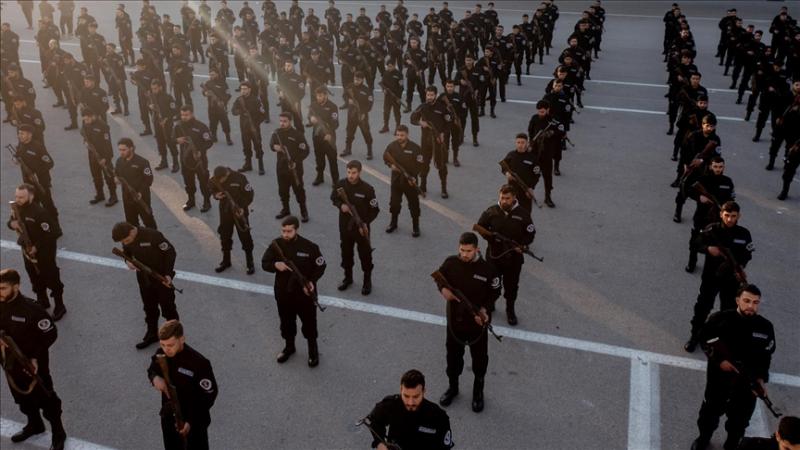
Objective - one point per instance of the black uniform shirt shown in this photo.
(426, 428)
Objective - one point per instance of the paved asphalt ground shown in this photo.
(596, 361)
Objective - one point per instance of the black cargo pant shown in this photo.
(154, 296)
(729, 394)
(292, 305)
(457, 337)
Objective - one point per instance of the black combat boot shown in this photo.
(98, 197)
(477, 394)
(444, 188)
(42, 299)
(456, 162)
(392, 224)
(691, 345)
(423, 185)
(206, 205)
(59, 435)
(176, 164)
(189, 203)
(511, 314)
(112, 199)
(452, 391)
(784, 191)
(228, 139)
(671, 129)
(690, 266)
(303, 213)
(284, 210)
(348, 279)
(415, 226)
(150, 337)
(548, 201)
(261, 170)
(226, 262)
(125, 111)
(747, 115)
(288, 350)
(678, 211)
(385, 129)
(475, 140)
(557, 168)
(369, 151)
(247, 167)
(251, 268)
(366, 287)
(757, 137)
(319, 179)
(313, 353)
(35, 426)
(348, 150)
(60, 309)
(163, 163)
(771, 163)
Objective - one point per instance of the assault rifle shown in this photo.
(291, 164)
(172, 397)
(27, 172)
(16, 356)
(296, 274)
(361, 226)
(146, 270)
(388, 444)
(442, 281)
(525, 188)
(495, 236)
(24, 237)
(412, 181)
(238, 212)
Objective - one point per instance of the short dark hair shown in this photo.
(789, 429)
(285, 115)
(402, 128)
(127, 142)
(290, 221)
(187, 108)
(730, 206)
(751, 288)
(121, 230)
(170, 329)
(542, 104)
(508, 189)
(11, 277)
(354, 164)
(221, 171)
(468, 238)
(522, 136)
(717, 159)
(27, 187)
(412, 379)
(431, 88)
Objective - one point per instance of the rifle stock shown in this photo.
(363, 228)
(493, 235)
(27, 366)
(145, 269)
(412, 181)
(22, 232)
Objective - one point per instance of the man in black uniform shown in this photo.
(509, 219)
(790, 165)
(97, 138)
(164, 114)
(358, 97)
(469, 273)
(40, 257)
(524, 162)
(411, 162)
(361, 195)
(416, 61)
(457, 108)
(142, 79)
(471, 79)
(786, 437)
(717, 190)
(25, 115)
(194, 140)
(138, 177)
(434, 119)
(34, 154)
(291, 148)
(392, 85)
(192, 377)
(728, 248)
(15, 85)
(153, 250)
(216, 91)
(695, 155)
(324, 117)
(251, 113)
(94, 98)
(33, 330)
(291, 90)
(293, 299)
(408, 419)
(546, 134)
(234, 211)
(113, 67)
(739, 344)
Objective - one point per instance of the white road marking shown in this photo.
(433, 319)
(759, 426)
(9, 427)
(510, 100)
(644, 408)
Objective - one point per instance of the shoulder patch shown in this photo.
(206, 384)
(531, 228)
(147, 171)
(248, 188)
(373, 202)
(751, 247)
(207, 136)
(44, 324)
(419, 158)
(335, 115)
(45, 226)
(163, 246)
(496, 282)
(320, 261)
(46, 158)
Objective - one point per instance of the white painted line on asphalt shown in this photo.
(627, 110)
(537, 77)
(415, 316)
(9, 427)
(644, 408)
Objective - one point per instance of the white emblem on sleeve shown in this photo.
(320, 261)
(419, 158)
(147, 171)
(163, 246)
(248, 188)
(448, 438)
(373, 202)
(496, 282)
(206, 384)
(45, 226)
(531, 228)
(44, 324)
